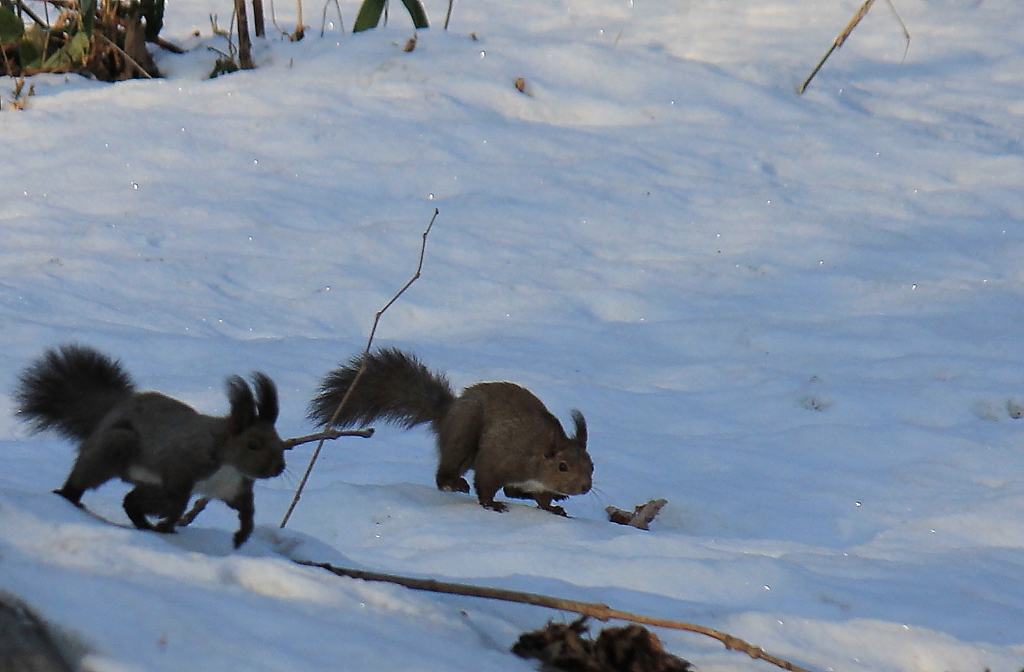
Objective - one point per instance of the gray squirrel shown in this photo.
(499, 430)
(163, 447)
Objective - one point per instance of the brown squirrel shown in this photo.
(499, 430)
(162, 446)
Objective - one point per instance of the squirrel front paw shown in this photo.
(495, 506)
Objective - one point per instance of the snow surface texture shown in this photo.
(797, 318)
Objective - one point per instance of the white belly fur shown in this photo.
(224, 484)
(529, 486)
(141, 475)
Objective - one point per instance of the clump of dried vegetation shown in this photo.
(569, 648)
(102, 39)
(106, 39)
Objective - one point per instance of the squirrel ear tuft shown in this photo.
(243, 405)
(267, 406)
(580, 436)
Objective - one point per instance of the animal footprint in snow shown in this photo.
(813, 401)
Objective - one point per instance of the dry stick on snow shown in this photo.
(838, 42)
(362, 369)
(601, 612)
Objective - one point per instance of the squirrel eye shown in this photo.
(253, 445)
(562, 466)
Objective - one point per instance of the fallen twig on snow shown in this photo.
(641, 515)
(362, 369)
(601, 612)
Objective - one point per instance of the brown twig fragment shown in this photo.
(601, 612)
(362, 369)
(641, 515)
(326, 435)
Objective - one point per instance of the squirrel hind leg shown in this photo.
(149, 500)
(88, 474)
(72, 493)
(458, 442)
(134, 505)
(101, 457)
(451, 467)
(449, 481)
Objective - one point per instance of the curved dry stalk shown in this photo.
(323, 19)
(841, 38)
(601, 612)
(362, 369)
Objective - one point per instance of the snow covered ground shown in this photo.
(796, 318)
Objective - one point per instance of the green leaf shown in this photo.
(417, 12)
(11, 27)
(371, 10)
(58, 62)
(88, 8)
(29, 57)
(78, 47)
(369, 15)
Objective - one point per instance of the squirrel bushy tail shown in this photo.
(396, 387)
(71, 389)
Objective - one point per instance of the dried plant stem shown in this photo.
(258, 23)
(300, 27)
(601, 612)
(167, 46)
(362, 369)
(134, 63)
(841, 38)
(244, 42)
(323, 19)
(22, 7)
